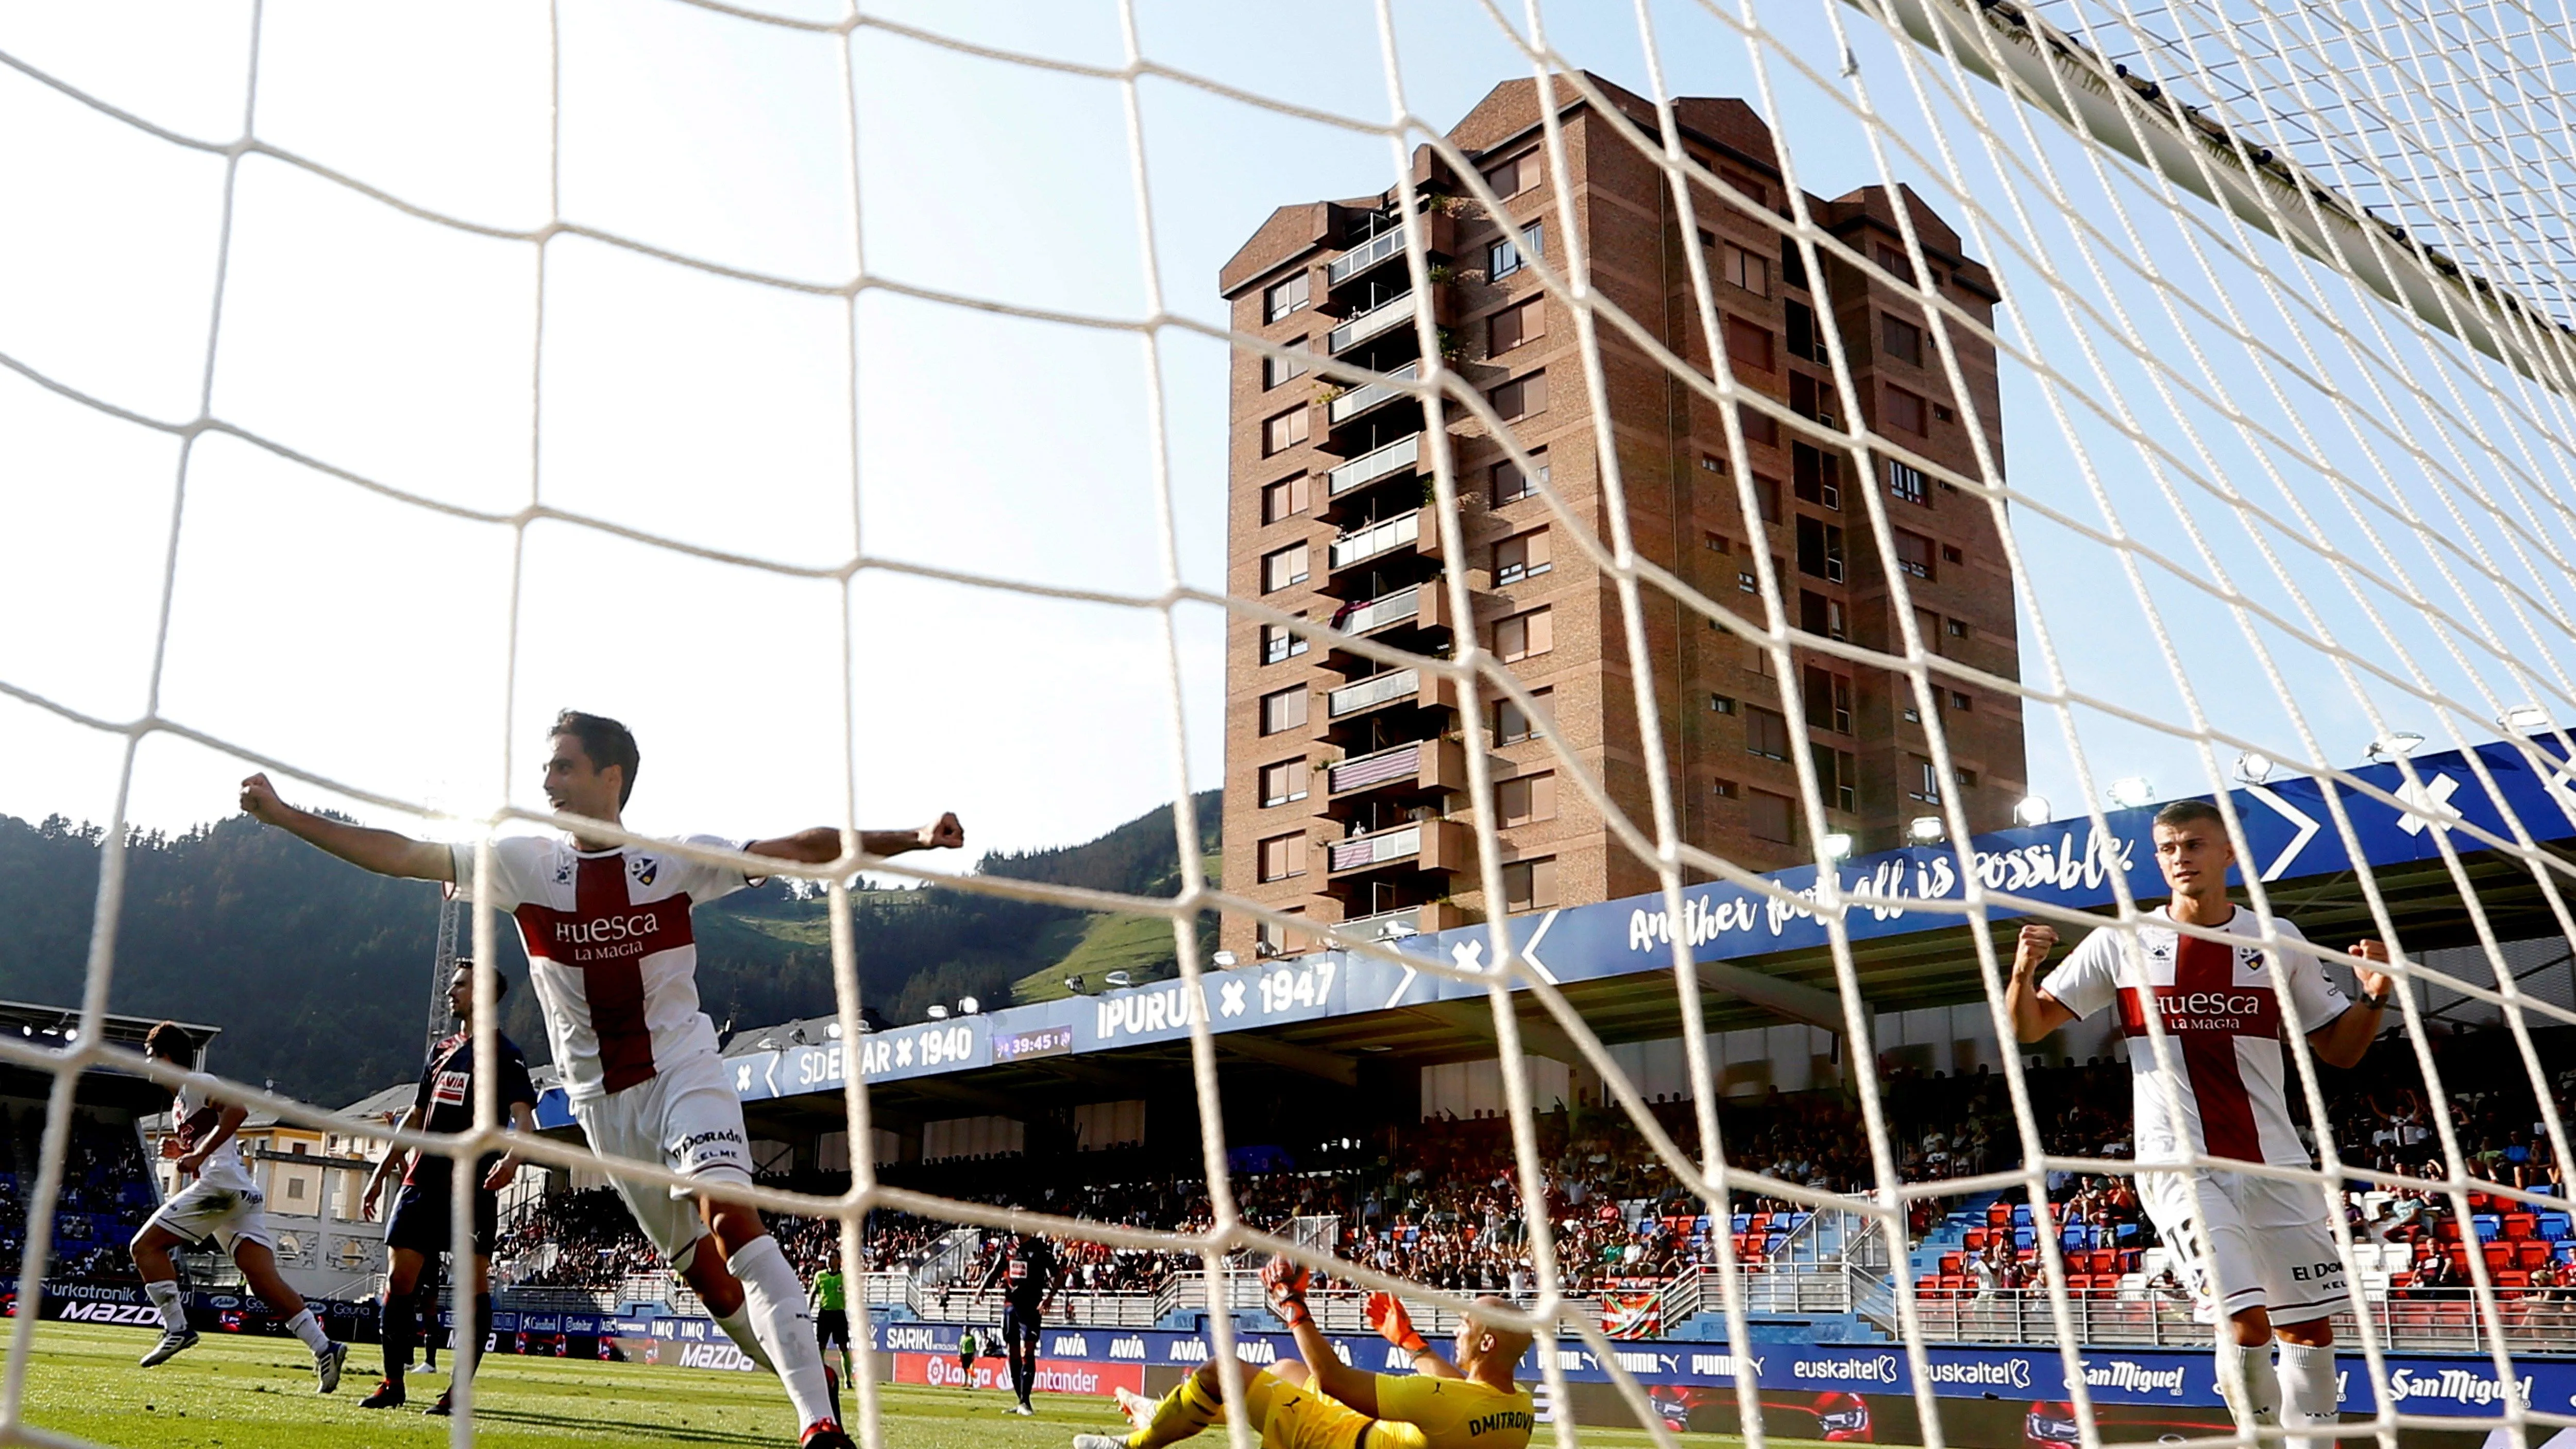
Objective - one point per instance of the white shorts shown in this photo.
(2272, 1246)
(229, 1213)
(686, 1118)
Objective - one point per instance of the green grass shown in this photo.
(257, 1393)
(1109, 942)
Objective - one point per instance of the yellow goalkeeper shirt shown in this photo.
(1456, 1413)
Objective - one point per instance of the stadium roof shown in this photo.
(1759, 961)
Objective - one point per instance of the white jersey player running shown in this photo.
(2267, 1239)
(221, 1202)
(613, 957)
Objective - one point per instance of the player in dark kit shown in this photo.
(422, 1225)
(1027, 1272)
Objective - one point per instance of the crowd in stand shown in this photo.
(106, 1193)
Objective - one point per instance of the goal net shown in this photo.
(1679, 533)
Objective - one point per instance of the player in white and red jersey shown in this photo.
(2267, 1239)
(220, 1201)
(613, 956)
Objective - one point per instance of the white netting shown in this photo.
(2329, 518)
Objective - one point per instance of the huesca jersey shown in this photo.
(1457, 1413)
(193, 1118)
(611, 950)
(2223, 1022)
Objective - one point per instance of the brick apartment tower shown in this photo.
(1345, 783)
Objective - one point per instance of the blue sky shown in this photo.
(369, 640)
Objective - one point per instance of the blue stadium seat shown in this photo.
(2489, 1226)
(2554, 1226)
(2021, 1215)
(2023, 1237)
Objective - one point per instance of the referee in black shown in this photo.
(419, 1229)
(1027, 1272)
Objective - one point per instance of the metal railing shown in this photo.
(1359, 400)
(1399, 763)
(2425, 1320)
(1376, 539)
(1363, 326)
(1378, 849)
(1404, 455)
(1404, 603)
(1375, 690)
(1364, 256)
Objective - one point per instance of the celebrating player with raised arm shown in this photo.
(1316, 1401)
(614, 962)
(2269, 1240)
(418, 1230)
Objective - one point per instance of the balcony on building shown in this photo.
(1400, 459)
(1381, 256)
(1396, 925)
(1414, 766)
(1376, 540)
(1423, 605)
(1368, 417)
(1438, 845)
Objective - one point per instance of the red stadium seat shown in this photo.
(2512, 1282)
(1954, 1285)
(2499, 1256)
(1999, 1214)
(2521, 1225)
(1952, 1265)
(1928, 1286)
(2527, 1256)
(1974, 1241)
(2447, 1230)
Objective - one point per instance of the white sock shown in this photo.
(2309, 1393)
(775, 1300)
(303, 1327)
(174, 1309)
(2262, 1387)
(738, 1328)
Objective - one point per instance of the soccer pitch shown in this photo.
(253, 1393)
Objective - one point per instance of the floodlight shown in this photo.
(938, 1013)
(1837, 846)
(2253, 768)
(2132, 791)
(2033, 810)
(1926, 829)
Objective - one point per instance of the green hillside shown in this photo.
(337, 960)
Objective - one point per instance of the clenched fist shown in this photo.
(2036, 942)
(259, 800)
(944, 833)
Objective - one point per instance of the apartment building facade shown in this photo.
(1346, 785)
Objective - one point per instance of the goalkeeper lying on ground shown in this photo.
(1323, 1403)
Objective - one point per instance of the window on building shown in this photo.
(1816, 476)
(1905, 481)
(1766, 496)
(1940, 413)
(1521, 397)
(1967, 779)
(1285, 940)
(1759, 427)
(1748, 344)
(1523, 635)
(1279, 643)
(1510, 484)
(1283, 710)
(1282, 298)
(1526, 799)
(1505, 257)
(1720, 543)
(1820, 549)
(1893, 259)
(1754, 191)
(1837, 776)
(1927, 627)
(1747, 581)
(1955, 628)
(1521, 558)
(1721, 704)
(1283, 782)
(1766, 732)
(1829, 700)
(1900, 339)
(1285, 431)
(1749, 270)
(1820, 615)
(1722, 789)
(1530, 885)
(1905, 411)
(1793, 267)
(1926, 782)
(1513, 326)
(1276, 369)
(1512, 724)
(1950, 554)
(1287, 498)
(1281, 568)
(1813, 398)
(1517, 175)
(1961, 702)
(1804, 340)
(1771, 817)
(1283, 857)
(1914, 554)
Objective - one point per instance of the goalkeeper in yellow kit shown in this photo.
(1330, 1405)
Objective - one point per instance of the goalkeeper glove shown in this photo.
(1284, 1280)
(1387, 1316)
